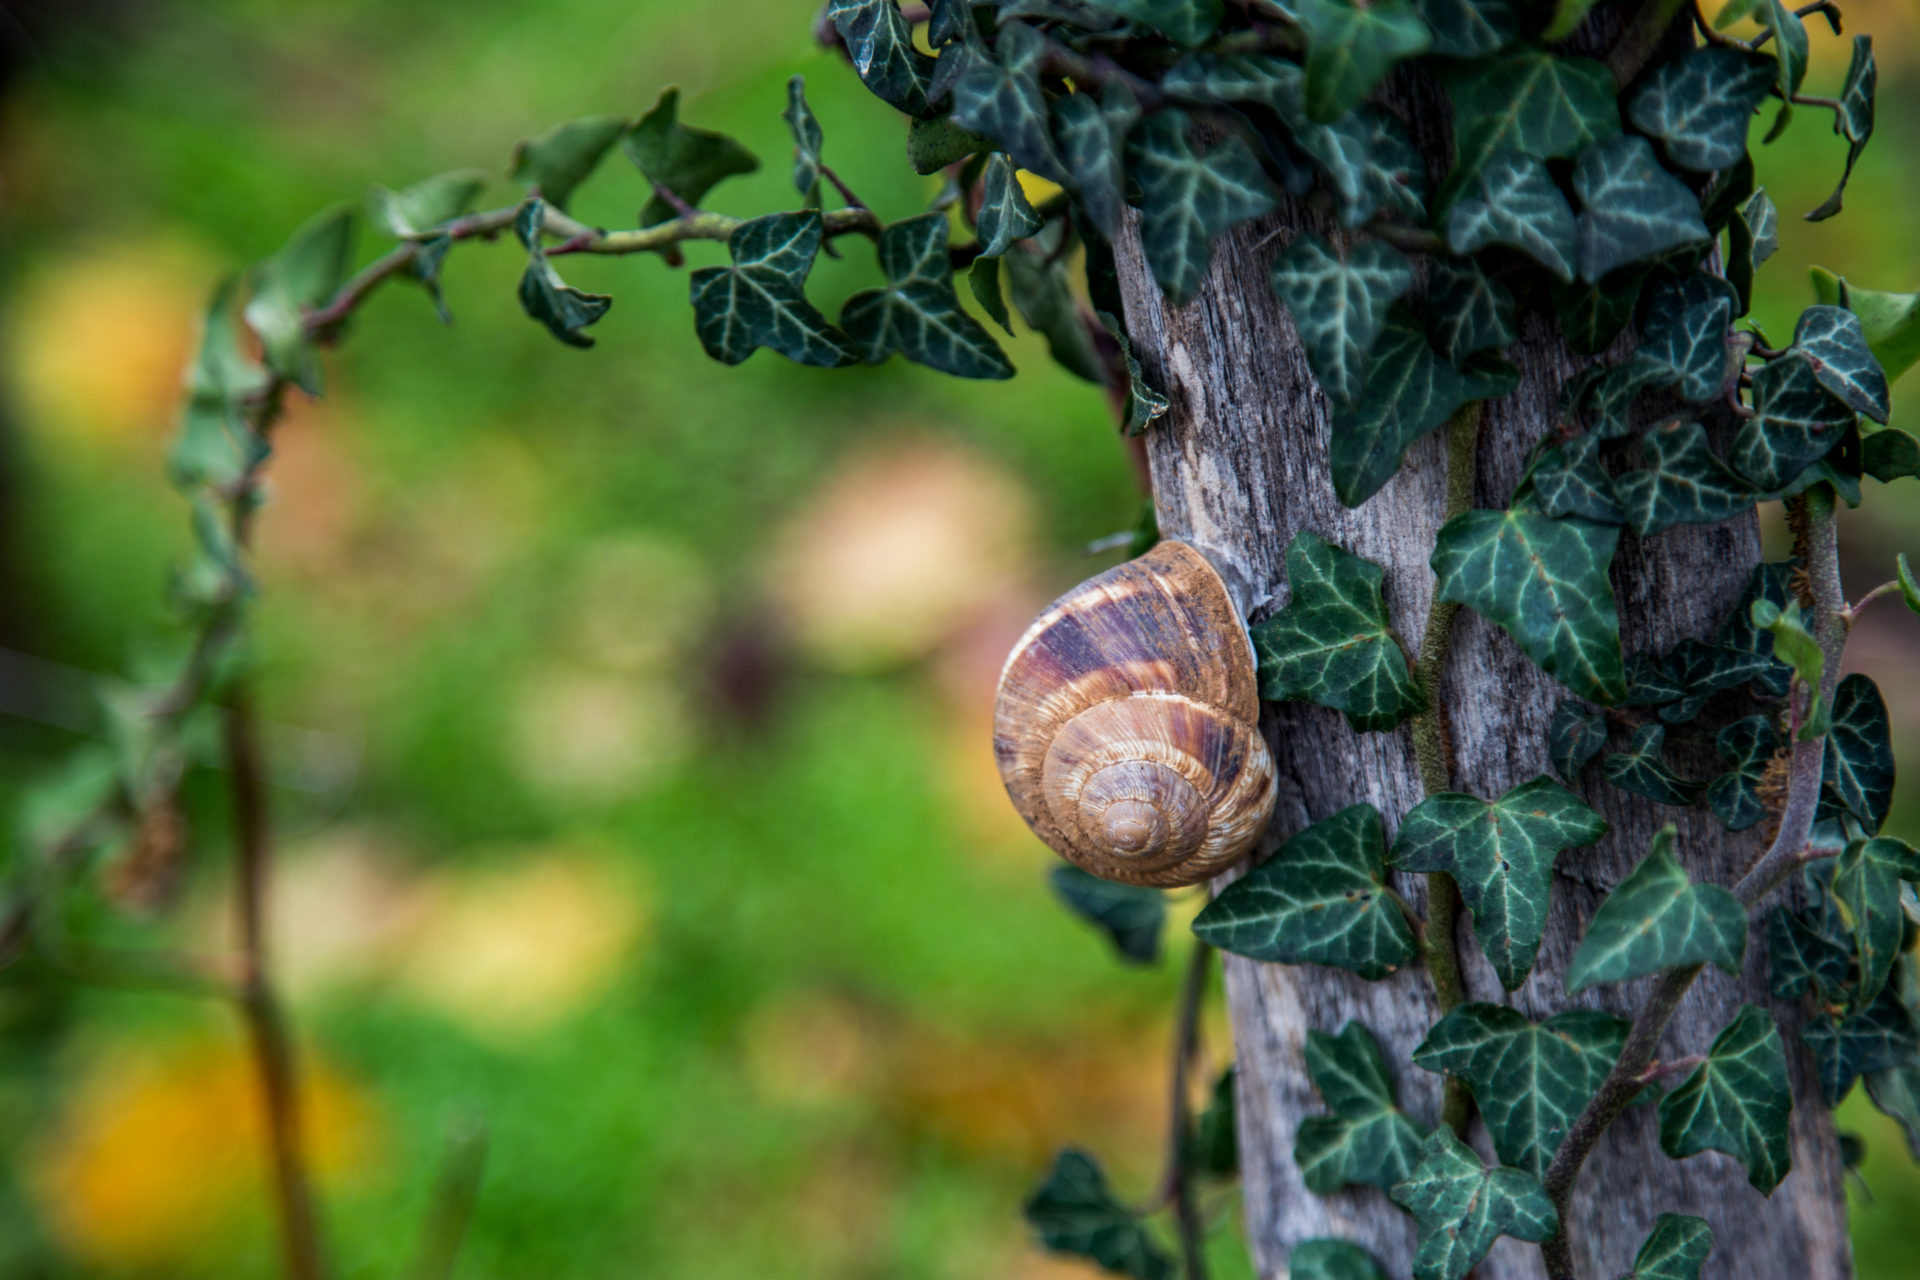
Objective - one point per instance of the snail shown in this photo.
(1126, 724)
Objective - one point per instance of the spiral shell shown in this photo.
(1126, 725)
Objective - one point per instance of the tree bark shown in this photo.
(1239, 466)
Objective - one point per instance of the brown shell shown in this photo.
(1126, 725)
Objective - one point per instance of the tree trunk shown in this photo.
(1239, 466)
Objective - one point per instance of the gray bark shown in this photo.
(1239, 466)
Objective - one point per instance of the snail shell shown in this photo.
(1126, 726)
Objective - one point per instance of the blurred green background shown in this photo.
(630, 713)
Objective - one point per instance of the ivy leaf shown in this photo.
(1332, 1260)
(1684, 328)
(559, 160)
(1881, 1037)
(983, 280)
(1890, 454)
(1568, 480)
(1544, 581)
(918, 314)
(1701, 670)
(1131, 916)
(1189, 196)
(1832, 343)
(1642, 769)
(1857, 778)
(1466, 310)
(1339, 301)
(1896, 1094)
(1739, 630)
(808, 139)
(1501, 854)
(880, 43)
(935, 143)
(565, 310)
(216, 447)
(1144, 404)
(1610, 401)
(1658, 919)
(1749, 746)
(1469, 28)
(1510, 200)
(1652, 682)
(1574, 738)
(1700, 104)
(1802, 958)
(1593, 315)
(426, 204)
(1794, 645)
(1676, 1249)
(1797, 421)
(1395, 177)
(1890, 321)
(1333, 644)
(1322, 899)
(1366, 1140)
(1092, 135)
(1185, 22)
(685, 161)
(1351, 47)
(1409, 391)
(1736, 1101)
(1752, 238)
(1531, 1080)
(760, 301)
(1005, 215)
(1866, 885)
(1039, 289)
(1214, 1140)
(1790, 54)
(1683, 482)
(1909, 589)
(1530, 101)
(1075, 1212)
(1854, 120)
(1631, 208)
(1002, 99)
(302, 275)
(1462, 1207)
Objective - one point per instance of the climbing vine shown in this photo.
(1617, 196)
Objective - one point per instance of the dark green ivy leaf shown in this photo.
(1351, 47)
(1365, 1140)
(1568, 480)
(1609, 401)
(1322, 899)
(1790, 53)
(983, 279)
(1749, 746)
(686, 161)
(1510, 200)
(1802, 958)
(1395, 177)
(1333, 644)
(1531, 101)
(1467, 310)
(1130, 916)
(1797, 421)
(1891, 321)
(1462, 1207)
(1866, 885)
(1215, 1142)
(1701, 670)
(1000, 98)
(1631, 208)
(565, 310)
(1675, 1250)
(1593, 315)
(1189, 196)
(1332, 1260)
(1857, 778)
(1881, 1037)
(935, 143)
(1092, 134)
(1339, 300)
(1469, 28)
(880, 43)
(301, 276)
(808, 139)
(1752, 238)
(1896, 1093)
(1575, 738)
(1682, 483)
(1185, 22)
(216, 447)
(1531, 1080)
(1736, 1101)
(1075, 1212)
(1005, 215)
(1040, 292)
(1144, 404)
(1544, 581)
(1854, 120)
(760, 301)
(1890, 454)
(1738, 630)
(917, 313)
(1684, 327)
(1409, 391)
(1642, 769)
(1658, 919)
(1501, 854)
(1701, 103)
(426, 204)
(1831, 341)
(559, 160)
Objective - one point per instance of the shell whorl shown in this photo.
(1126, 724)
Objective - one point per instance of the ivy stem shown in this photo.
(1821, 552)
(1176, 1184)
(1852, 612)
(1440, 941)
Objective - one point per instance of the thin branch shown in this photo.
(1852, 612)
(1186, 1205)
